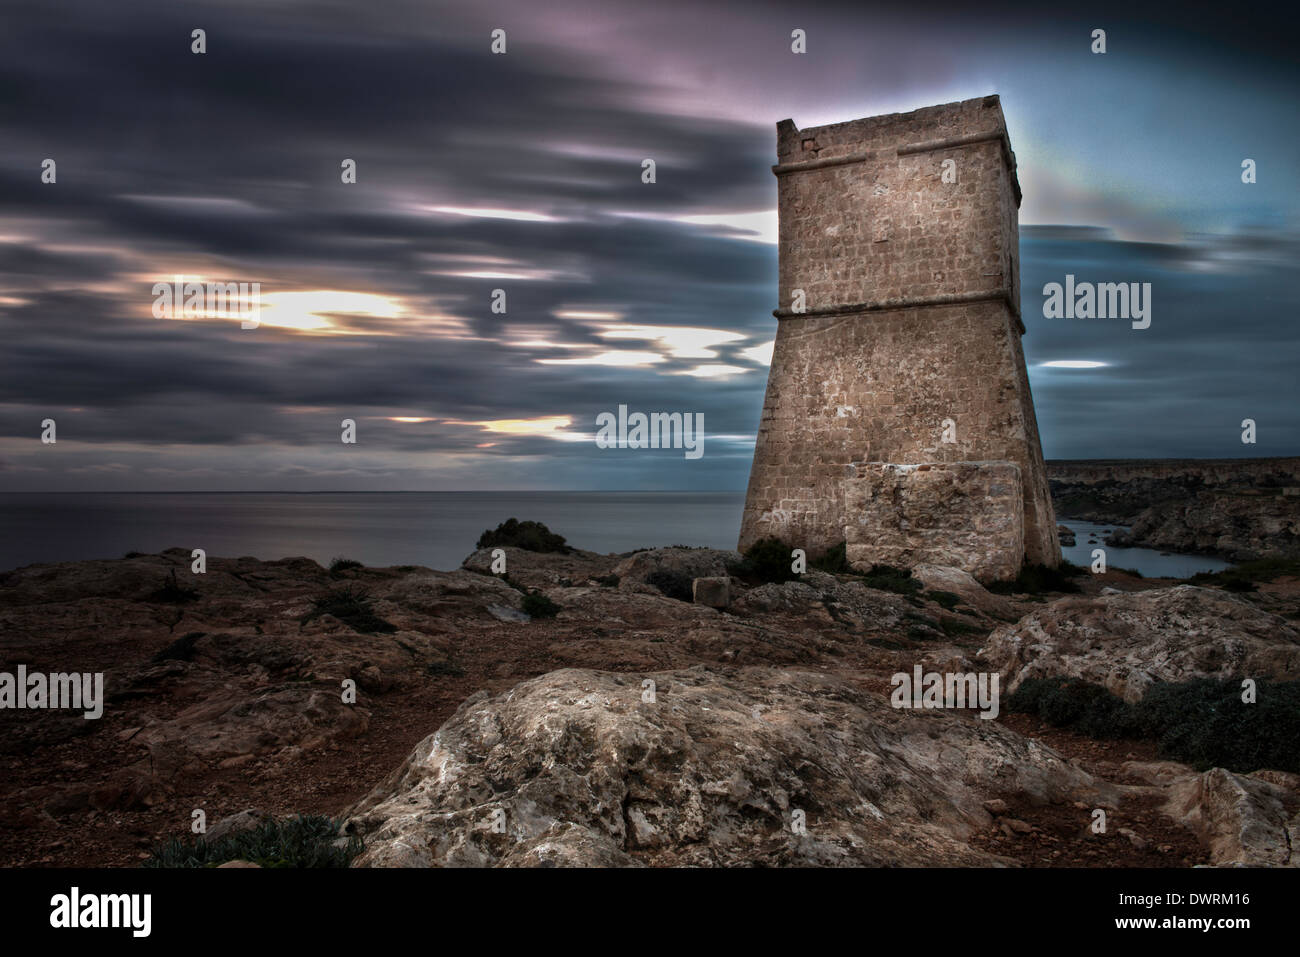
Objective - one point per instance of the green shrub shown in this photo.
(340, 564)
(537, 605)
(1205, 723)
(352, 607)
(1246, 576)
(889, 578)
(1202, 722)
(767, 560)
(672, 584)
(833, 561)
(531, 536)
(300, 841)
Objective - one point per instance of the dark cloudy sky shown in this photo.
(523, 172)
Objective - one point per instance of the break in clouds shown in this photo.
(523, 173)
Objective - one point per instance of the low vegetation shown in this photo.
(301, 841)
(672, 584)
(1202, 722)
(1247, 576)
(341, 564)
(1039, 580)
(537, 605)
(352, 607)
(530, 536)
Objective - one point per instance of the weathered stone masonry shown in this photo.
(911, 317)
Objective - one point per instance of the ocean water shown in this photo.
(1151, 563)
(435, 529)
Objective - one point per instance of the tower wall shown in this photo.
(910, 327)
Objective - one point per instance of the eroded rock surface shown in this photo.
(576, 767)
(1127, 641)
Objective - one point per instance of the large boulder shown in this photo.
(577, 767)
(1128, 641)
(688, 563)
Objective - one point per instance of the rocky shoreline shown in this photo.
(1237, 509)
(504, 719)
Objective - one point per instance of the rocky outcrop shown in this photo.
(1239, 527)
(717, 767)
(1239, 508)
(1246, 820)
(975, 596)
(1127, 641)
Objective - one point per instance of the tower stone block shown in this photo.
(898, 345)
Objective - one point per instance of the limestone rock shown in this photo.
(1125, 642)
(687, 562)
(574, 768)
(966, 514)
(714, 592)
(245, 820)
(946, 578)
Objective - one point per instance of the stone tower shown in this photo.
(898, 417)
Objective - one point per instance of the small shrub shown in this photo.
(889, 578)
(672, 584)
(768, 560)
(1202, 722)
(531, 536)
(607, 581)
(301, 841)
(134, 555)
(1246, 576)
(341, 564)
(1037, 580)
(537, 605)
(833, 561)
(351, 607)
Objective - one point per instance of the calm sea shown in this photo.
(435, 529)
